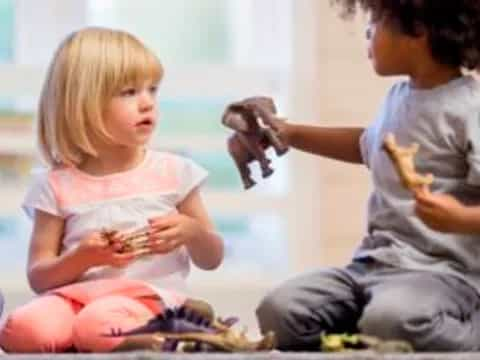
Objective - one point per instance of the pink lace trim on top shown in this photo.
(72, 187)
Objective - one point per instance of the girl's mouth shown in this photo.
(146, 122)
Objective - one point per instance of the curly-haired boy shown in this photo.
(416, 273)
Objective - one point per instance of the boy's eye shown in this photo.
(153, 89)
(368, 32)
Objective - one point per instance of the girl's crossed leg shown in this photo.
(52, 323)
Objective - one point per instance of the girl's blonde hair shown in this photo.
(88, 69)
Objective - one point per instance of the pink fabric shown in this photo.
(78, 315)
(146, 179)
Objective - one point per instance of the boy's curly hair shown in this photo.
(452, 26)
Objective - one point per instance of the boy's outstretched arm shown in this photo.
(342, 143)
(339, 143)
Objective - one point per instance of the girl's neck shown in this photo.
(110, 162)
(433, 75)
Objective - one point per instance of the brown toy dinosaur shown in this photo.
(251, 138)
(403, 160)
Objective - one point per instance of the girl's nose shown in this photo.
(147, 101)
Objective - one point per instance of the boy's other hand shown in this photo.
(440, 212)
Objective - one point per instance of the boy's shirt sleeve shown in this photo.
(190, 175)
(473, 150)
(370, 138)
(40, 196)
(365, 141)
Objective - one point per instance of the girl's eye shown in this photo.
(128, 92)
(153, 89)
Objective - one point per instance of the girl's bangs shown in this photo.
(136, 67)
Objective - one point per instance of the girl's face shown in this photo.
(388, 49)
(131, 115)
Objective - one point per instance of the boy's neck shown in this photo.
(113, 162)
(433, 75)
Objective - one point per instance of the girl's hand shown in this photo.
(441, 212)
(169, 232)
(100, 250)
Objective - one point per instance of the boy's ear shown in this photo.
(419, 30)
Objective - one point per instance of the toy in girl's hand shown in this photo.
(252, 119)
(403, 160)
(135, 241)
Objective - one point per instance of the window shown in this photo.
(6, 30)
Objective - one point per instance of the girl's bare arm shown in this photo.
(46, 268)
(207, 253)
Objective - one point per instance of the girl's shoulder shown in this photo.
(164, 160)
(181, 170)
(159, 157)
(42, 175)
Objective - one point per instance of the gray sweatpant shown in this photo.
(433, 311)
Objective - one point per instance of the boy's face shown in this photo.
(131, 115)
(391, 52)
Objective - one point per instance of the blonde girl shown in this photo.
(97, 112)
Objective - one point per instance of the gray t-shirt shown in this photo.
(445, 122)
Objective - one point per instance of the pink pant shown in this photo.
(57, 321)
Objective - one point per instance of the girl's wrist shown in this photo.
(82, 259)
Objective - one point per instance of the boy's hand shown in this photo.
(279, 125)
(441, 212)
(169, 232)
(97, 250)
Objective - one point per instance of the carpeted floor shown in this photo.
(257, 356)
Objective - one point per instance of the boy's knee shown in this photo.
(390, 321)
(274, 313)
(271, 310)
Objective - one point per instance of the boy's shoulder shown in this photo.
(460, 94)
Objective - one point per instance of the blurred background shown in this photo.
(310, 213)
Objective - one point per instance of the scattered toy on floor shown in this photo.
(351, 342)
(193, 328)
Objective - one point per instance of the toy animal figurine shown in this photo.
(134, 241)
(351, 342)
(252, 138)
(195, 331)
(403, 160)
